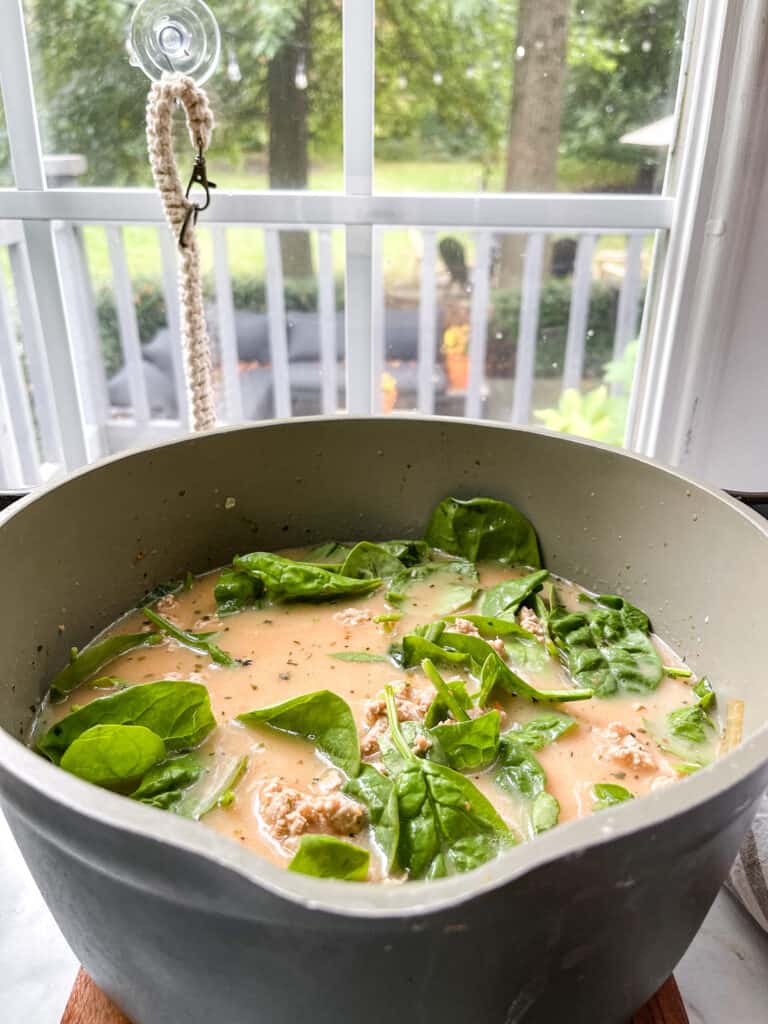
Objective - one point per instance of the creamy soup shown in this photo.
(453, 709)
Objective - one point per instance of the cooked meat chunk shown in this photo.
(412, 704)
(464, 626)
(421, 744)
(530, 620)
(618, 743)
(288, 812)
(353, 616)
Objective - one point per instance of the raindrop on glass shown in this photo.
(520, 52)
(437, 78)
(646, 46)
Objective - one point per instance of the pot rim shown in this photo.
(572, 839)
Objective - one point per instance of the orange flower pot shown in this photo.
(457, 369)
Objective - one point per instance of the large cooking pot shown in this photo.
(179, 924)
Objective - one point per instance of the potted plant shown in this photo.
(388, 392)
(455, 349)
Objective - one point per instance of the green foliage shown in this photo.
(113, 756)
(83, 664)
(483, 528)
(608, 647)
(608, 794)
(283, 579)
(177, 711)
(329, 857)
(598, 414)
(322, 717)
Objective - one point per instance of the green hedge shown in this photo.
(301, 296)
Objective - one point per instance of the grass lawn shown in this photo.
(401, 248)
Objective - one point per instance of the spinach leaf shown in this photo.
(377, 794)
(608, 647)
(705, 693)
(409, 552)
(322, 717)
(530, 655)
(690, 723)
(517, 770)
(444, 692)
(414, 649)
(286, 580)
(113, 756)
(488, 625)
(438, 710)
(607, 794)
(364, 656)
(545, 812)
(328, 857)
(179, 712)
(539, 732)
(470, 745)
(367, 561)
(677, 673)
(83, 664)
(446, 824)
(483, 528)
(236, 591)
(162, 590)
(331, 553)
(454, 581)
(162, 785)
(499, 673)
(413, 733)
(688, 732)
(506, 598)
(197, 641)
(213, 787)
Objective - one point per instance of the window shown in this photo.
(450, 206)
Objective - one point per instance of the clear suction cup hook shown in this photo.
(175, 36)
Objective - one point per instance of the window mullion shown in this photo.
(29, 172)
(358, 98)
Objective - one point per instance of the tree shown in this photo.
(535, 111)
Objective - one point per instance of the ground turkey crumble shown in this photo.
(618, 743)
(412, 704)
(470, 629)
(529, 620)
(353, 616)
(288, 813)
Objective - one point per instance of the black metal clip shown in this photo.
(199, 176)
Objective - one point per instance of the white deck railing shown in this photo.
(31, 448)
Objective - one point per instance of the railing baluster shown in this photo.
(37, 360)
(326, 304)
(16, 394)
(427, 322)
(378, 319)
(581, 288)
(278, 339)
(225, 314)
(627, 313)
(86, 350)
(173, 321)
(11, 472)
(129, 329)
(525, 364)
(478, 319)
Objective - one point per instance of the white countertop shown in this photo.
(723, 976)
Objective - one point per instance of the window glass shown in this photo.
(6, 174)
(560, 342)
(276, 94)
(525, 95)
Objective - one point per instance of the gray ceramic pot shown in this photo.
(179, 924)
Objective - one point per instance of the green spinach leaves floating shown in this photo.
(283, 579)
(608, 794)
(506, 598)
(196, 641)
(322, 717)
(83, 664)
(608, 647)
(455, 582)
(113, 756)
(328, 857)
(483, 528)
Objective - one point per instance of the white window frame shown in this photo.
(678, 216)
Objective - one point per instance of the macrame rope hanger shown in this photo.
(166, 47)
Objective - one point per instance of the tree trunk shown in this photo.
(536, 107)
(289, 139)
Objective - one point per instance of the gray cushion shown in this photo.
(160, 390)
(304, 336)
(257, 393)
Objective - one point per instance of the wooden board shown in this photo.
(89, 1005)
